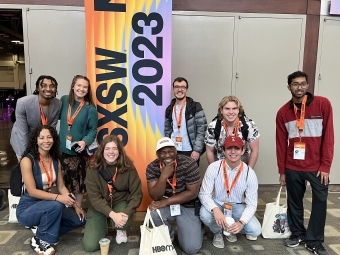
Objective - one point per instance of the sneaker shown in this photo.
(34, 243)
(45, 248)
(319, 249)
(294, 241)
(251, 238)
(34, 230)
(218, 241)
(121, 236)
(231, 238)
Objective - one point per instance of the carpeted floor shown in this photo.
(14, 239)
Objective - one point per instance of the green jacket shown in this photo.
(128, 184)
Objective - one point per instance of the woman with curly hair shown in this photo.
(78, 124)
(118, 201)
(53, 214)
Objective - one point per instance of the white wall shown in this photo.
(328, 77)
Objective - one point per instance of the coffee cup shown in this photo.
(229, 221)
(104, 246)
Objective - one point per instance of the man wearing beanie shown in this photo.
(229, 189)
(173, 184)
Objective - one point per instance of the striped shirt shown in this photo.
(213, 189)
(187, 173)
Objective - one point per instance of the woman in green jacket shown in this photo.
(115, 202)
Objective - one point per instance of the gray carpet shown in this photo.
(14, 239)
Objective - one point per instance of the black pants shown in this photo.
(188, 153)
(296, 187)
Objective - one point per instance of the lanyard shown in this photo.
(226, 180)
(179, 120)
(237, 125)
(174, 178)
(300, 122)
(70, 119)
(48, 172)
(110, 186)
(43, 118)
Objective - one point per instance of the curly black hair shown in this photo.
(32, 145)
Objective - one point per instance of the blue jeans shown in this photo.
(51, 217)
(253, 227)
(190, 229)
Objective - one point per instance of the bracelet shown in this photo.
(241, 223)
(56, 197)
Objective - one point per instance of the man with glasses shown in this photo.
(41, 108)
(173, 183)
(185, 122)
(304, 150)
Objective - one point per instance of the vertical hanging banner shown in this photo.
(128, 54)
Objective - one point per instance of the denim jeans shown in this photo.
(51, 217)
(190, 229)
(253, 227)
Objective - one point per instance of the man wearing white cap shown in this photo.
(229, 190)
(173, 184)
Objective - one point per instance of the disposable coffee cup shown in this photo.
(104, 246)
(229, 221)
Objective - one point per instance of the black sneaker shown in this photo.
(319, 249)
(45, 248)
(34, 243)
(294, 241)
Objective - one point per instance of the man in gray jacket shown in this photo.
(42, 108)
(185, 122)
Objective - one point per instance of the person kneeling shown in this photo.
(51, 213)
(115, 197)
(229, 196)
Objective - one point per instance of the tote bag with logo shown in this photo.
(155, 240)
(13, 202)
(275, 222)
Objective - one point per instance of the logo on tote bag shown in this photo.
(156, 249)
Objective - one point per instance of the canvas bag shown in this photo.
(275, 222)
(155, 240)
(13, 202)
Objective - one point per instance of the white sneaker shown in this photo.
(251, 238)
(218, 241)
(121, 236)
(231, 238)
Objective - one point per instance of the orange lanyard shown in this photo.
(174, 178)
(237, 125)
(113, 180)
(179, 120)
(70, 119)
(48, 172)
(300, 122)
(226, 180)
(43, 118)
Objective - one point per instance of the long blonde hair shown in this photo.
(226, 100)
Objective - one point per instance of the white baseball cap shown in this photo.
(164, 142)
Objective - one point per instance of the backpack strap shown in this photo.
(108, 178)
(245, 127)
(217, 129)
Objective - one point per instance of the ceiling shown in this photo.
(11, 30)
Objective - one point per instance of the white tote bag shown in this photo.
(155, 240)
(275, 222)
(13, 202)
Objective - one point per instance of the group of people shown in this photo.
(304, 139)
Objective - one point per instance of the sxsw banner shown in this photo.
(128, 54)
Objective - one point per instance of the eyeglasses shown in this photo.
(180, 87)
(296, 84)
(164, 153)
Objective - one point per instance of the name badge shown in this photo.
(227, 209)
(299, 150)
(178, 143)
(68, 142)
(175, 210)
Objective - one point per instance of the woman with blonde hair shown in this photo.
(114, 192)
(231, 120)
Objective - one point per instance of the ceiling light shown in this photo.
(15, 41)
